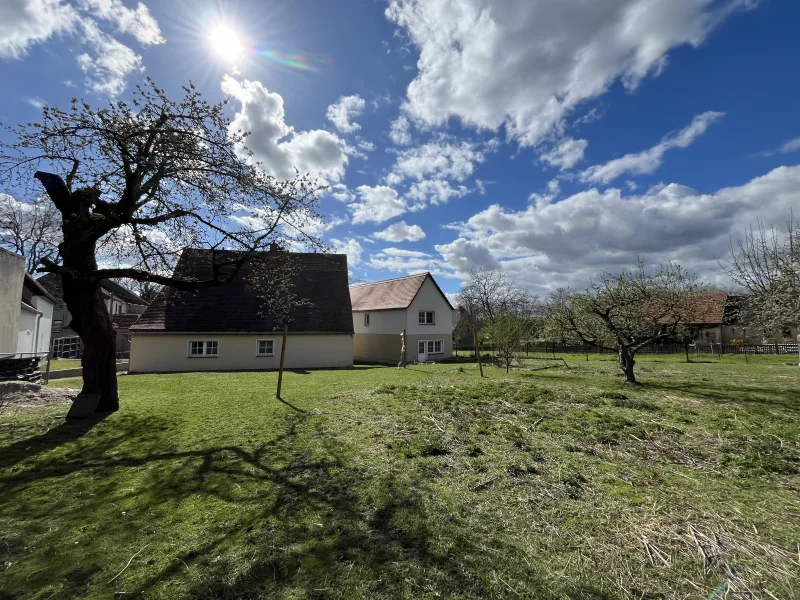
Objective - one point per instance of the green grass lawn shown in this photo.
(62, 364)
(419, 483)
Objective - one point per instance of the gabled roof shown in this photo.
(708, 309)
(52, 282)
(31, 287)
(123, 320)
(236, 307)
(390, 294)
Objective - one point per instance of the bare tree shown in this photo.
(508, 332)
(767, 264)
(32, 229)
(141, 181)
(630, 310)
(488, 293)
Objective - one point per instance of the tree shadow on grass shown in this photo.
(65, 432)
(295, 516)
(787, 399)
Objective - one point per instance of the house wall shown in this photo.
(44, 306)
(429, 298)
(380, 341)
(12, 274)
(152, 353)
(28, 330)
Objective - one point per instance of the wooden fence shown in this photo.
(556, 348)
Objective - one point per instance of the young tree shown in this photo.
(508, 332)
(143, 180)
(630, 310)
(32, 229)
(767, 264)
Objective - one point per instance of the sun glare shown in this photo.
(226, 42)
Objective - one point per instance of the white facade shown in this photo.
(158, 352)
(430, 299)
(35, 324)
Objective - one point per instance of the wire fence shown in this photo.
(72, 347)
(33, 367)
(707, 348)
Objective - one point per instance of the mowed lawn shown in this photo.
(419, 483)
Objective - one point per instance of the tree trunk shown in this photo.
(626, 363)
(91, 321)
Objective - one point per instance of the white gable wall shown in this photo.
(429, 298)
(390, 322)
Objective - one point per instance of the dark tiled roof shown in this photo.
(52, 282)
(390, 294)
(124, 320)
(319, 278)
(31, 287)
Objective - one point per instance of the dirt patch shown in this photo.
(22, 393)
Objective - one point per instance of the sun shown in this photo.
(226, 42)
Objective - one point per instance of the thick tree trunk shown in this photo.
(91, 321)
(626, 363)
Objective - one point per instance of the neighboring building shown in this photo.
(414, 304)
(123, 305)
(26, 309)
(224, 328)
(12, 275)
(35, 318)
(721, 319)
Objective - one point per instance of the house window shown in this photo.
(265, 348)
(435, 347)
(58, 326)
(426, 317)
(205, 348)
(366, 319)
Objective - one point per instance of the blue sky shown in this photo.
(554, 139)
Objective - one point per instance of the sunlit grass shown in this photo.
(415, 483)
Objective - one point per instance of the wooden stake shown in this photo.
(405, 349)
(283, 355)
(478, 352)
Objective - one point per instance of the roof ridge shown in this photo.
(426, 273)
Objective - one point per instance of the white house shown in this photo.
(416, 305)
(35, 318)
(227, 327)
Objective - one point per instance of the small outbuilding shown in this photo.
(228, 328)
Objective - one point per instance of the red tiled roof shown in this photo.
(708, 309)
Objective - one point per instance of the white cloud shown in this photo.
(137, 22)
(649, 160)
(401, 232)
(435, 191)
(34, 101)
(278, 146)
(407, 261)
(566, 154)
(528, 65)
(346, 109)
(571, 241)
(399, 131)
(341, 193)
(351, 248)
(366, 146)
(107, 70)
(788, 147)
(27, 22)
(377, 204)
(442, 159)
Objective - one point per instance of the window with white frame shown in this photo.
(435, 347)
(427, 317)
(265, 348)
(366, 319)
(203, 348)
